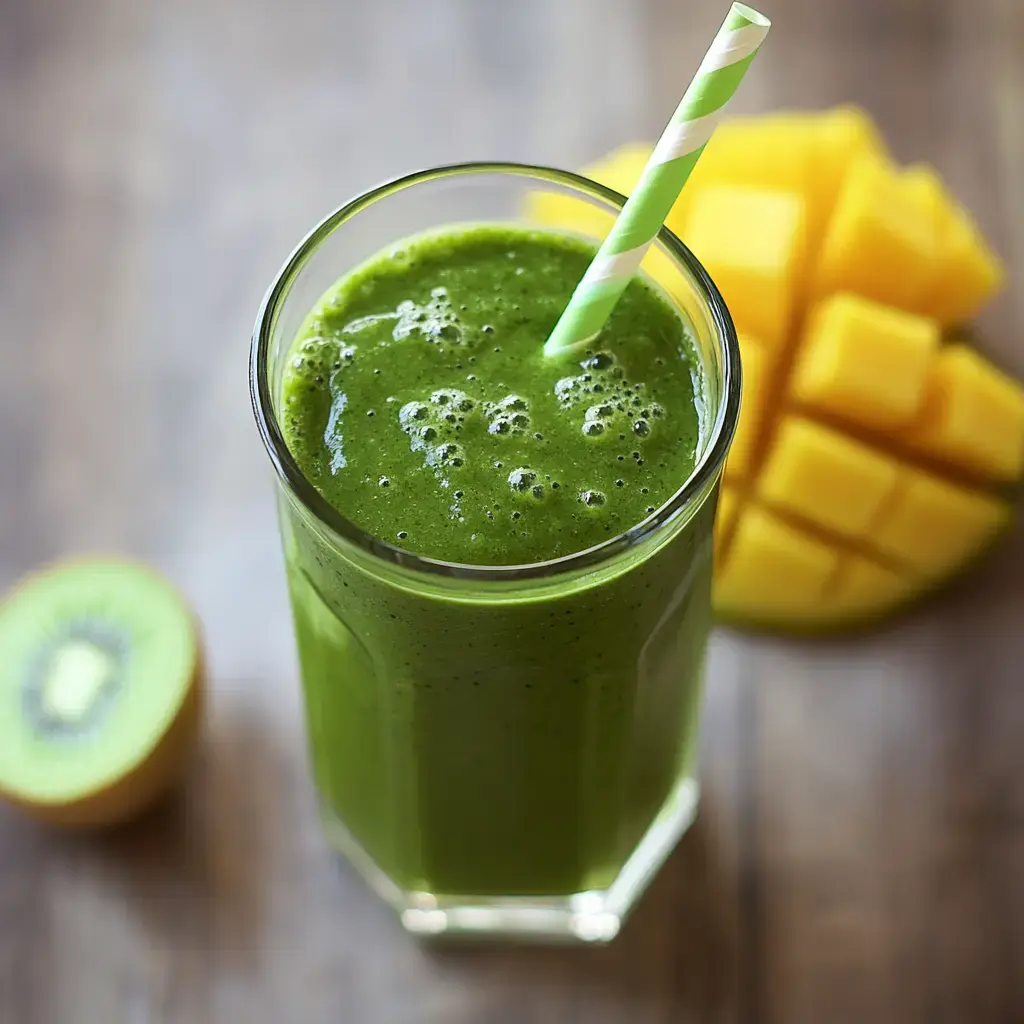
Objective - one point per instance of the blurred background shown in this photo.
(860, 853)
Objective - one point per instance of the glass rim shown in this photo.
(291, 475)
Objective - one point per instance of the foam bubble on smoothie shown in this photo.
(314, 356)
(435, 320)
(614, 405)
(432, 425)
(447, 454)
(453, 402)
(412, 411)
(510, 416)
(521, 480)
(526, 482)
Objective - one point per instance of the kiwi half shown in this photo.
(100, 691)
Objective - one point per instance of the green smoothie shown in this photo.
(471, 744)
(420, 405)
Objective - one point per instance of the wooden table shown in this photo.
(860, 854)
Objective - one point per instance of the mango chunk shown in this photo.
(925, 192)
(843, 136)
(970, 272)
(967, 273)
(774, 151)
(863, 361)
(752, 410)
(728, 506)
(882, 240)
(935, 526)
(752, 243)
(772, 569)
(972, 416)
(827, 478)
(865, 589)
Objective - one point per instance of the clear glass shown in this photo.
(500, 750)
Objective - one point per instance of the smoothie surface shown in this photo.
(418, 402)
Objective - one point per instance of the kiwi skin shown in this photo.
(129, 796)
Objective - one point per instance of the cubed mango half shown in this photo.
(871, 456)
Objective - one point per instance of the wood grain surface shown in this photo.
(860, 852)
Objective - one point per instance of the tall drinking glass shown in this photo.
(500, 749)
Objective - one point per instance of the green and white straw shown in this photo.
(670, 164)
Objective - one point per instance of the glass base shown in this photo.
(594, 916)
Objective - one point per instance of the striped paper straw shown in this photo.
(674, 157)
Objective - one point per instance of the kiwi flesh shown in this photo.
(100, 692)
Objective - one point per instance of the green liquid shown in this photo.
(470, 745)
(419, 402)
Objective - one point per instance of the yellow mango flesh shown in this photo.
(728, 506)
(620, 170)
(934, 526)
(864, 362)
(843, 135)
(756, 392)
(775, 151)
(773, 571)
(752, 242)
(966, 272)
(872, 454)
(972, 416)
(880, 243)
(865, 590)
(970, 273)
(826, 478)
